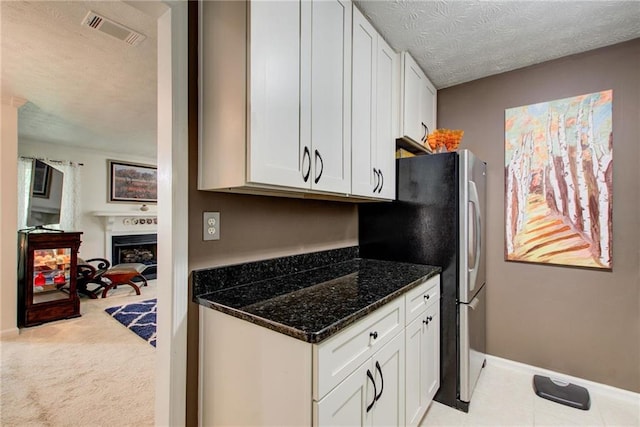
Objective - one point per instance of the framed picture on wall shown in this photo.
(559, 182)
(41, 180)
(132, 182)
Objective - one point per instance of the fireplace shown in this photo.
(141, 248)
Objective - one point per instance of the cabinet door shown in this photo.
(431, 351)
(363, 127)
(422, 363)
(428, 105)
(386, 114)
(418, 101)
(415, 341)
(329, 132)
(375, 73)
(372, 395)
(346, 405)
(389, 365)
(275, 155)
(413, 79)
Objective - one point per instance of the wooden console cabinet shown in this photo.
(47, 276)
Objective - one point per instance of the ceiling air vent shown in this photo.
(107, 26)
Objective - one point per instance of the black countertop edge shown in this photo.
(256, 320)
(207, 280)
(381, 295)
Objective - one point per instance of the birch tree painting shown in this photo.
(558, 181)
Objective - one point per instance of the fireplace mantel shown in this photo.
(129, 221)
(118, 223)
(124, 213)
(127, 213)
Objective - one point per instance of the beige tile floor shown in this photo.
(504, 396)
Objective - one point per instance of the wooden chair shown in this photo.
(99, 272)
(89, 272)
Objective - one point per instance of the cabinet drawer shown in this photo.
(418, 299)
(337, 357)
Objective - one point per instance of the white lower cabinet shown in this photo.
(422, 340)
(384, 369)
(373, 395)
(422, 358)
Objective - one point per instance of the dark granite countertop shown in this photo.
(313, 304)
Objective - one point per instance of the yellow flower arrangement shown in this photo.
(444, 139)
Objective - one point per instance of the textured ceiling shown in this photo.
(83, 87)
(87, 89)
(459, 41)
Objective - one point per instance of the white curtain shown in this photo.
(70, 206)
(25, 168)
(70, 210)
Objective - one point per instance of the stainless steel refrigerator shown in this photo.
(439, 219)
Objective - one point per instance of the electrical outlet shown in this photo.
(211, 226)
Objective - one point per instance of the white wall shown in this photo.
(94, 187)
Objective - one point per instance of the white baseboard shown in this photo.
(9, 333)
(602, 389)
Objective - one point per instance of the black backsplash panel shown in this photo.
(209, 280)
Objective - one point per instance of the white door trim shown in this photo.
(9, 214)
(171, 362)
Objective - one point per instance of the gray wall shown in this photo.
(259, 227)
(576, 321)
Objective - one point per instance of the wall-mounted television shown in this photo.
(45, 197)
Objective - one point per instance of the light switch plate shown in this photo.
(211, 226)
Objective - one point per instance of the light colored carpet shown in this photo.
(87, 371)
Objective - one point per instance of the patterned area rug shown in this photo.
(139, 317)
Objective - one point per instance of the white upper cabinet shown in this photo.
(274, 150)
(326, 92)
(363, 86)
(419, 102)
(374, 111)
(275, 112)
(387, 117)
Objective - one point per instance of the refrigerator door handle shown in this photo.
(474, 199)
